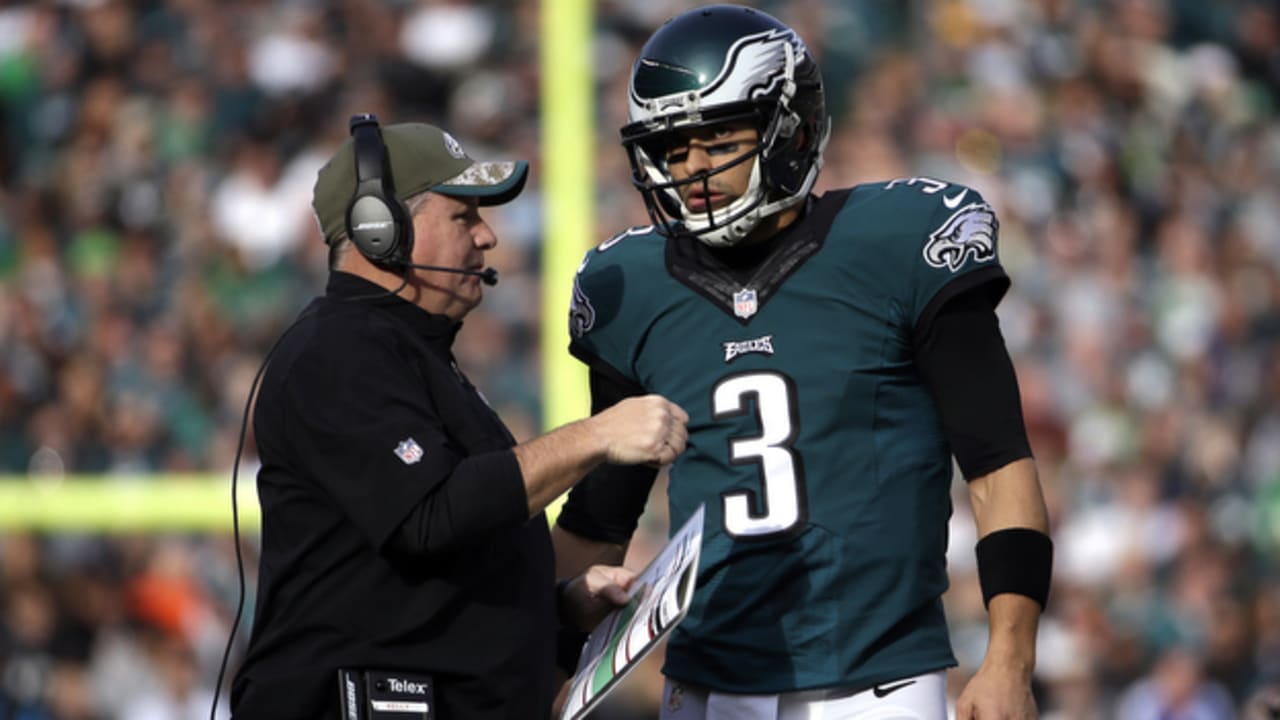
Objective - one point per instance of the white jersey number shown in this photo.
(780, 506)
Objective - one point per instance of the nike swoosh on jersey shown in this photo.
(954, 201)
(883, 690)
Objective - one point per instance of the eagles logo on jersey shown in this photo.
(972, 230)
(582, 317)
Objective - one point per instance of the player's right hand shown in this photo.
(644, 429)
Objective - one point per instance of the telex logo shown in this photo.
(407, 686)
(733, 349)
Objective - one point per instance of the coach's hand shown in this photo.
(645, 429)
(589, 597)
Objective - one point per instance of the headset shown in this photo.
(378, 223)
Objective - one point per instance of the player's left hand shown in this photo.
(590, 596)
(996, 693)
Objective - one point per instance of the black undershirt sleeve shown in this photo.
(607, 504)
(962, 358)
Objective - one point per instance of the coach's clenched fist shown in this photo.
(645, 429)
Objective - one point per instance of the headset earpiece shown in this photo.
(377, 222)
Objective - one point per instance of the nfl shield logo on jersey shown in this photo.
(409, 451)
(744, 303)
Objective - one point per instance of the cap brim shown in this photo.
(494, 183)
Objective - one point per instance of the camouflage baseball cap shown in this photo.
(422, 157)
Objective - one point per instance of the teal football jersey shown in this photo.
(817, 449)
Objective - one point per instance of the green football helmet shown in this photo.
(717, 64)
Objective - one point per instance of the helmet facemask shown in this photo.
(663, 194)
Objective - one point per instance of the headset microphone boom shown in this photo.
(489, 276)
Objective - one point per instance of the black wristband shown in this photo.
(1015, 560)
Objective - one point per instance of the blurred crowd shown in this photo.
(156, 163)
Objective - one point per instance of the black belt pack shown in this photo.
(386, 695)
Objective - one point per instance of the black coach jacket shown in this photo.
(364, 420)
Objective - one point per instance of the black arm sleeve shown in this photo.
(484, 495)
(607, 504)
(963, 360)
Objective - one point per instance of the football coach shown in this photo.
(406, 567)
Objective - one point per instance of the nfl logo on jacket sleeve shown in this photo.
(409, 451)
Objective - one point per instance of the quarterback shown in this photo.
(834, 354)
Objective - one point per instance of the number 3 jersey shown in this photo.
(812, 440)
